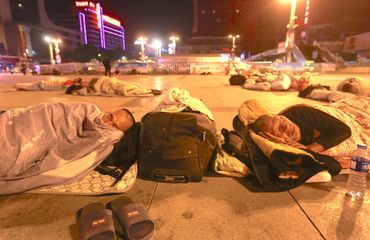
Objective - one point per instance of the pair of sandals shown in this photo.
(132, 220)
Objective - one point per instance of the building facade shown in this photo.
(247, 18)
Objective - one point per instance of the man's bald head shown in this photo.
(121, 119)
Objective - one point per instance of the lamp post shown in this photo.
(158, 46)
(173, 45)
(57, 50)
(233, 47)
(142, 42)
(49, 41)
(289, 42)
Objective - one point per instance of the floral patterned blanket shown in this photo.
(355, 112)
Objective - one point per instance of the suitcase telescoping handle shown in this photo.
(170, 178)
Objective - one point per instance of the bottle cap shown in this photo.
(361, 146)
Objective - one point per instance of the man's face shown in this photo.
(118, 119)
(282, 127)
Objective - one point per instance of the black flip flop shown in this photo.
(96, 223)
(133, 218)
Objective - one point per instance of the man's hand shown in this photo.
(272, 137)
(316, 147)
(276, 139)
(297, 145)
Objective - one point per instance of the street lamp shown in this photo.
(289, 42)
(58, 59)
(233, 47)
(173, 44)
(49, 41)
(158, 46)
(142, 42)
(56, 42)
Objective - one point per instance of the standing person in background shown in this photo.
(107, 66)
(23, 68)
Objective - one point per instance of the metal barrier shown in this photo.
(170, 68)
(162, 68)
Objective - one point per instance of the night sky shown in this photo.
(152, 18)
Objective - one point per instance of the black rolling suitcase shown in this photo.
(175, 147)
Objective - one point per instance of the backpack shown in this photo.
(176, 147)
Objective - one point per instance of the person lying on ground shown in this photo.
(56, 143)
(76, 85)
(345, 89)
(53, 84)
(277, 81)
(269, 82)
(111, 86)
(334, 129)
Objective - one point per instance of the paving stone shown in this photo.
(334, 214)
(217, 208)
(222, 208)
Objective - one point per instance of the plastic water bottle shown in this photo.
(356, 185)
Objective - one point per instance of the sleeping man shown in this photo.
(55, 143)
(334, 129)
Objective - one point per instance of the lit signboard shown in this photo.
(112, 20)
(82, 3)
(85, 4)
(98, 15)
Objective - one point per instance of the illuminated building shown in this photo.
(98, 28)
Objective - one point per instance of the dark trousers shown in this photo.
(107, 72)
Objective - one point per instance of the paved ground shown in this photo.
(217, 208)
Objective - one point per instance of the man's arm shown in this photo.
(328, 130)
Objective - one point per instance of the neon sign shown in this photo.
(85, 4)
(112, 20)
(98, 15)
(82, 3)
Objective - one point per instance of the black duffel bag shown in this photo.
(237, 80)
(175, 147)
